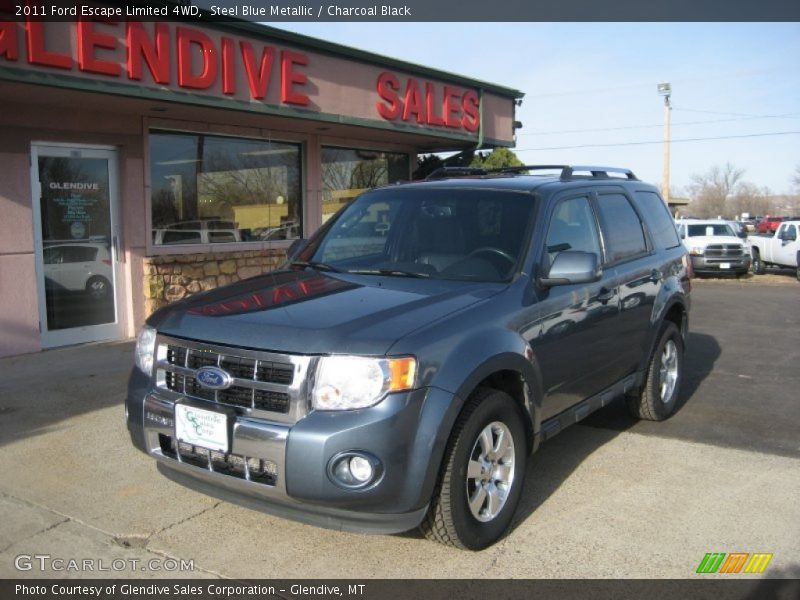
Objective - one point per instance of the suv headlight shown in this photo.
(145, 348)
(697, 250)
(348, 382)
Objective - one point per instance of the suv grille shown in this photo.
(234, 465)
(724, 251)
(261, 381)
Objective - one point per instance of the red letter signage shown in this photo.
(8, 40)
(88, 41)
(290, 78)
(387, 90)
(258, 73)
(140, 46)
(38, 55)
(187, 38)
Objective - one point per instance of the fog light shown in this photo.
(354, 470)
(360, 469)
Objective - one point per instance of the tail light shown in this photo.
(106, 261)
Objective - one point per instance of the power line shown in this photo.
(702, 139)
(732, 114)
(628, 127)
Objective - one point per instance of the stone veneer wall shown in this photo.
(169, 278)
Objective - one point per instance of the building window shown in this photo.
(214, 190)
(348, 172)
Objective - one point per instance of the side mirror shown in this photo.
(296, 248)
(683, 236)
(572, 266)
(742, 233)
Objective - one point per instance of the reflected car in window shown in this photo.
(201, 231)
(79, 267)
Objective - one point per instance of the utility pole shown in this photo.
(665, 90)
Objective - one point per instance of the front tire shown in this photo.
(659, 395)
(482, 473)
(758, 265)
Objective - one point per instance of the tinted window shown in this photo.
(74, 254)
(441, 234)
(348, 172)
(572, 227)
(710, 229)
(621, 227)
(658, 219)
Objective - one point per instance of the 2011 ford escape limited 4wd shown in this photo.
(401, 367)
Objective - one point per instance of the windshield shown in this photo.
(439, 234)
(711, 229)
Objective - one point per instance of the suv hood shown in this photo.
(307, 312)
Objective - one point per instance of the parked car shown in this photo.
(739, 228)
(714, 247)
(399, 369)
(769, 224)
(79, 267)
(200, 231)
(782, 249)
(288, 231)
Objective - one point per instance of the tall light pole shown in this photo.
(665, 90)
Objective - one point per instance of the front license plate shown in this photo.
(724, 265)
(199, 427)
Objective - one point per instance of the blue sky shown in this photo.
(583, 77)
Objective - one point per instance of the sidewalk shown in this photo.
(597, 502)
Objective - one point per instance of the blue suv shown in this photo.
(400, 368)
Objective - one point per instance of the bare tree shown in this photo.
(796, 178)
(710, 190)
(752, 199)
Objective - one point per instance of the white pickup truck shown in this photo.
(782, 249)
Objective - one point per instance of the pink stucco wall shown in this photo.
(37, 114)
(23, 125)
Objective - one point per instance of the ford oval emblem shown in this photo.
(213, 378)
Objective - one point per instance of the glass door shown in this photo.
(75, 208)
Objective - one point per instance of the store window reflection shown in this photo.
(348, 172)
(214, 190)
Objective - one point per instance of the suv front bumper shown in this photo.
(403, 432)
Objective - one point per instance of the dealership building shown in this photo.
(141, 162)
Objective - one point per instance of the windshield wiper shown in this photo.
(319, 266)
(389, 272)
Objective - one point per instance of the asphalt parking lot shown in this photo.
(609, 497)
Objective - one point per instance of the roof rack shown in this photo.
(601, 172)
(567, 171)
(443, 172)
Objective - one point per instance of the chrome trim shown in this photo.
(251, 439)
(298, 391)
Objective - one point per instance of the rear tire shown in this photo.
(659, 394)
(98, 287)
(482, 474)
(758, 265)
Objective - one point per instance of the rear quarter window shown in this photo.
(658, 219)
